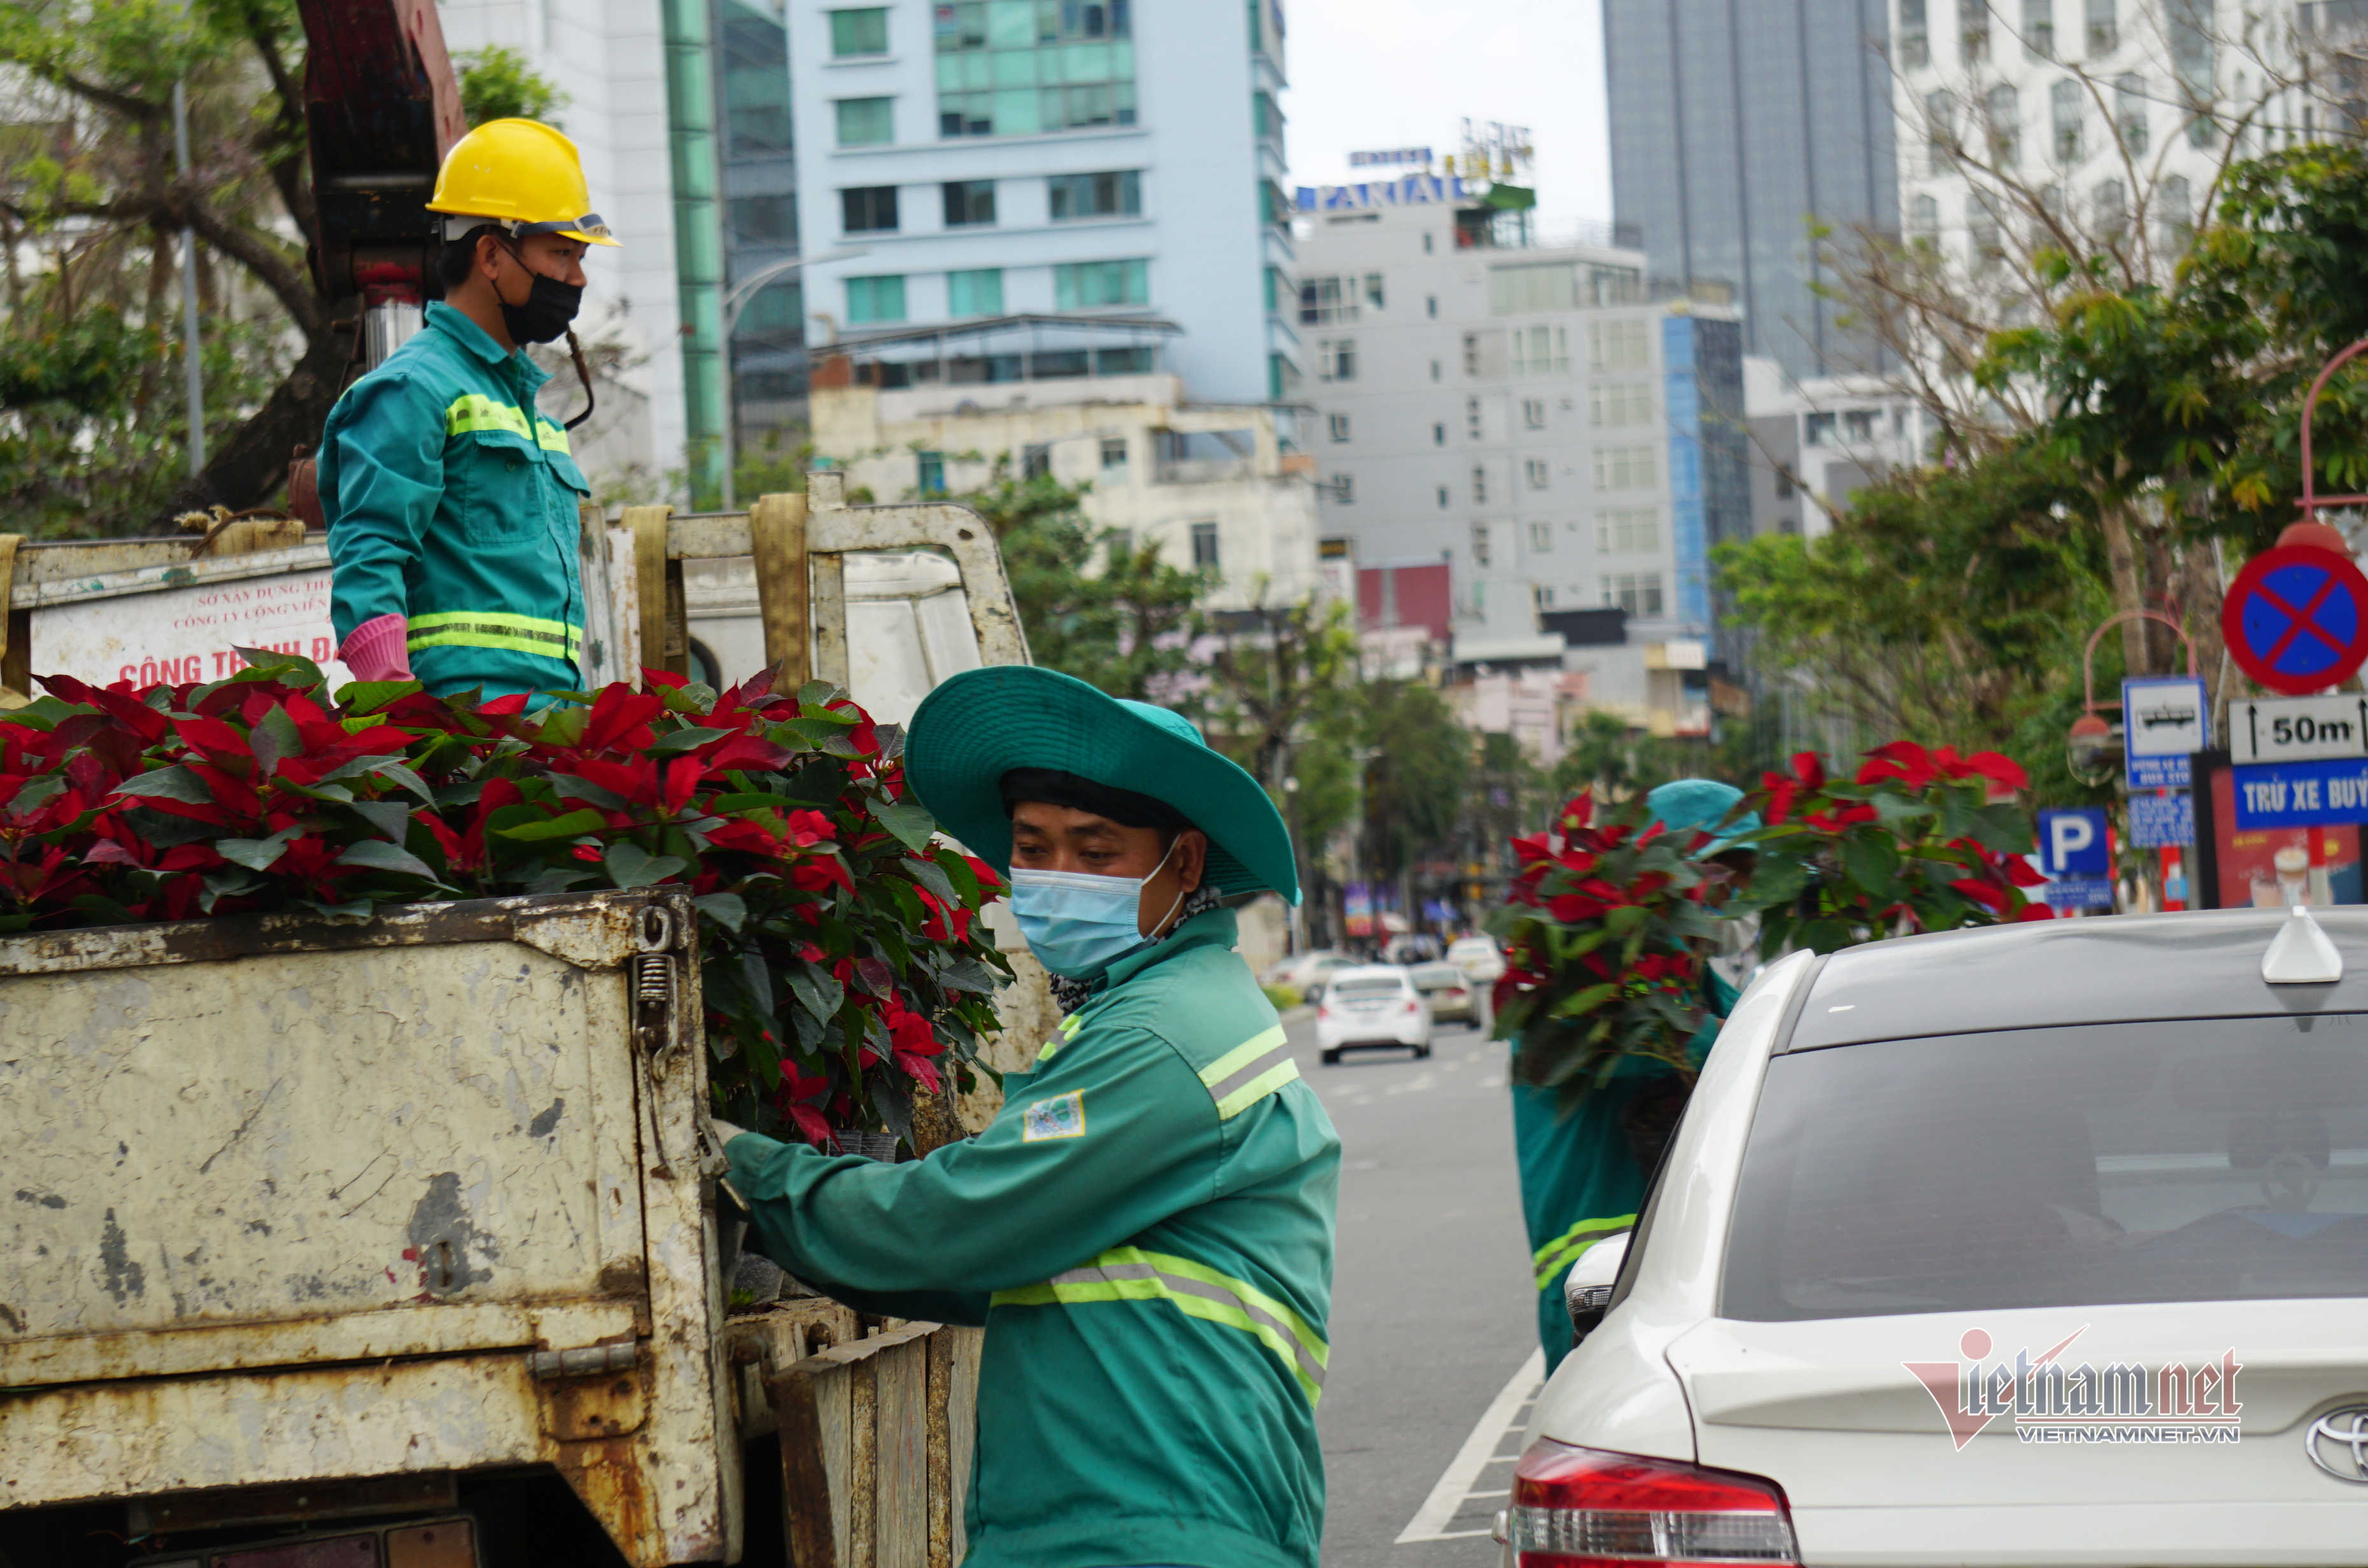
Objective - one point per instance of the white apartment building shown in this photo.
(2111, 113)
(1215, 487)
(1084, 160)
(1523, 414)
(1815, 444)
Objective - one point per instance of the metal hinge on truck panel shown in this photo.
(584, 1361)
(655, 985)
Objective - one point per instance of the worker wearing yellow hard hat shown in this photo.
(451, 497)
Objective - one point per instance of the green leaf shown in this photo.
(391, 818)
(1873, 862)
(728, 910)
(273, 737)
(36, 793)
(817, 991)
(571, 825)
(2002, 830)
(291, 669)
(368, 696)
(686, 740)
(171, 784)
(631, 865)
(758, 980)
(379, 855)
(932, 878)
(909, 820)
(256, 854)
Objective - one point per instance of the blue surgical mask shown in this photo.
(1079, 924)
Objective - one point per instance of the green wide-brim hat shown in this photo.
(982, 723)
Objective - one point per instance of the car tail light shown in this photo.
(1578, 1508)
(1414, 1007)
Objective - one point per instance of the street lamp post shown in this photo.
(733, 303)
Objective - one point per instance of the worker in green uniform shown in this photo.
(450, 498)
(1146, 1228)
(1581, 1179)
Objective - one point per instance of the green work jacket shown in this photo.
(1579, 1183)
(1146, 1230)
(451, 502)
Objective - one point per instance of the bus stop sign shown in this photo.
(2296, 619)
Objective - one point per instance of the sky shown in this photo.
(1367, 74)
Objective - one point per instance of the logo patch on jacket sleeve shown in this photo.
(1063, 1116)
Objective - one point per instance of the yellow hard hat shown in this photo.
(521, 175)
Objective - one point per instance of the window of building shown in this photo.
(866, 122)
(1541, 538)
(1940, 131)
(1442, 498)
(1915, 37)
(1472, 418)
(1136, 361)
(1008, 68)
(1434, 370)
(1324, 302)
(1430, 305)
(1438, 434)
(1373, 291)
(1266, 117)
(764, 219)
(753, 49)
(970, 203)
(1117, 194)
(868, 210)
(1619, 404)
(875, 299)
(2177, 213)
(1204, 547)
(1973, 31)
(1623, 468)
(2063, 109)
(1118, 545)
(1533, 412)
(1479, 484)
(2130, 112)
(1784, 483)
(1426, 242)
(1339, 426)
(1542, 350)
(2104, 30)
(1817, 430)
(859, 32)
(1036, 462)
(1858, 424)
(1924, 218)
(1531, 287)
(930, 466)
(1538, 472)
(1343, 487)
(2112, 201)
(1480, 544)
(1638, 593)
(1113, 453)
(1336, 358)
(2039, 29)
(1627, 533)
(2002, 106)
(1471, 354)
(976, 293)
(1619, 345)
(1985, 226)
(1087, 285)
(1541, 595)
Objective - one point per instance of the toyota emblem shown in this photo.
(2337, 1443)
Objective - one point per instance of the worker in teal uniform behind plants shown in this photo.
(1146, 1228)
(1582, 1177)
(450, 498)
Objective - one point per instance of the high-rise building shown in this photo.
(1735, 129)
(764, 309)
(1526, 455)
(1064, 164)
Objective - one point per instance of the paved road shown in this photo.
(1431, 1314)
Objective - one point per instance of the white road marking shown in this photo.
(1478, 1451)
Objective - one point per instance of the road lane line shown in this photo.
(1455, 1482)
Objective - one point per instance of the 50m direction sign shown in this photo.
(2298, 729)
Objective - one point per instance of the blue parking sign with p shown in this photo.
(2072, 841)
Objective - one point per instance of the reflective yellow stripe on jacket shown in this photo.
(1131, 1274)
(1568, 1247)
(1249, 1072)
(496, 628)
(474, 411)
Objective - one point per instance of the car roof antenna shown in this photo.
(2300, 953)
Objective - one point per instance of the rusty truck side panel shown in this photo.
(289, 1201)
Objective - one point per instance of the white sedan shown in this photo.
(2038, 1245)
(1478, 957)
(1375, 1006)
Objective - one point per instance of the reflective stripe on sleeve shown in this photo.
(551, 438)
(1249, 1072)
(1069, 1028)
(1130, 1274)
(496, 628)
(1567, 1248)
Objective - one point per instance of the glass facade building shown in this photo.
(1734, 129)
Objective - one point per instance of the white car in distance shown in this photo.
(1478, 957)
(1373, 1005)
(2037, 1244)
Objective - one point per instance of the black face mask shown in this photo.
(550, 306)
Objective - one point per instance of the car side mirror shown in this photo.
(1586, 1289)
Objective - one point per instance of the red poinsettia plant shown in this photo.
(1600, 931)
(843, 964)
(1913, 842)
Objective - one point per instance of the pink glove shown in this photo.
(379, 650)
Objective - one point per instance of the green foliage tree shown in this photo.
(498, 83)
(1126, 627)
(1419, 766)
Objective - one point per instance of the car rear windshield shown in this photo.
(2200, 1160)
(1437, 977)
(1374, 985)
